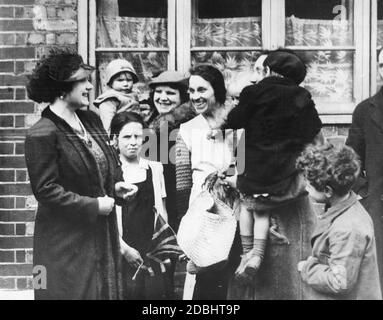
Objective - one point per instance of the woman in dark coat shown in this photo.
(279, 118)
(71, 169)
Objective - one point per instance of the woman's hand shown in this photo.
(105, 205)
(125, 190)
(131, 255)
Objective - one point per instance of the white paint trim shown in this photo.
(82, 27)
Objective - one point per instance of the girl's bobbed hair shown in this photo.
(123, 118)
(214, 77)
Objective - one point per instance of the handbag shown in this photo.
(206, 237)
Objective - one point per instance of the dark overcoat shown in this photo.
(366, 137)
(78, 247)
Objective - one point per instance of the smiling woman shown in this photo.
(200, 151)
(71, 168)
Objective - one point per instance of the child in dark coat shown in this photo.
(279, 118)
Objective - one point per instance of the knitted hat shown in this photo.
(169, 77)
(286, 64)
(117, 66)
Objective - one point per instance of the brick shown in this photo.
(66, 38)
(6, 66)
(16, 2)
(7, 256)
(31, 202)
(12, 270)
(6, 148)
(20, 202)
(21, 229)
(24, 12)
(7, 175)
(20, 150)
(17, 107)
(8, 80)
(20, 256)
(17, 215)
(51, 12)
(50, 38)
(6, 12)
(17, 52)
(16, 243)
(29, 228)
(15, 189)
(29, 256)
(6, 94)
(22, 283)
(7, 229)
(36, 38)
(29, 66)
(19, 121)
(67, 13)
(7, 283)
(6, 121)
(13, 134)
(7, 39)
(21, 94)
(21, 39)
(16, 25)
(7, 203)
(21, 175)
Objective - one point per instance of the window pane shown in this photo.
(228, 23)
(329, 75)
(146, 65)
(319, 23)
(147, 8)
(114, 31)
(231, 64)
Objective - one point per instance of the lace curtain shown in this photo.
(379, 46)
(114, 31)
(227, 32)
(330, 73)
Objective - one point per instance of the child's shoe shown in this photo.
(248, 268)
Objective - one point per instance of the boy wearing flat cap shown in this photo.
(279, 118)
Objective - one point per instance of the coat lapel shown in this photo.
(86, 155)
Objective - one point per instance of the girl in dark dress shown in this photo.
(145, 276)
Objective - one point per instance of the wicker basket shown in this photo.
(206, 237)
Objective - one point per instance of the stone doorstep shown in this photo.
(16, 295)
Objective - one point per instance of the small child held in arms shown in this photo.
(120, 77)
(343, 264)
(280, 119)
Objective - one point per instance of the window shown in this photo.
(376, 42)
(337, 39)
(141, 32)
(322, 32)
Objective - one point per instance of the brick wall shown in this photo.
(28, 28)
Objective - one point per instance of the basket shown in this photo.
(206, 237)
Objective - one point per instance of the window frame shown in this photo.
(180, 17)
